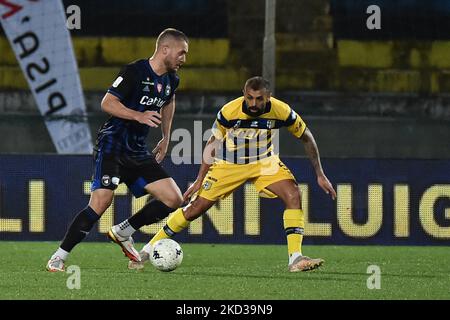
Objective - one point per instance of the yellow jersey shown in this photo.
(247, 139)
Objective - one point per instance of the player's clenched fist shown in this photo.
(150, 118)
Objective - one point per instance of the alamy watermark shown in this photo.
(241, 145)
(374, 20)
(73, 17)
(74, 280)
(374, 280)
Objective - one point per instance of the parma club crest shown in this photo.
(207, 185)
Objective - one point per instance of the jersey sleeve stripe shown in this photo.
(291, 119)
(224, 122)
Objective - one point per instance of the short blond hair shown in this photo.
(171, 33)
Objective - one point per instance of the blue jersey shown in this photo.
(139, 88)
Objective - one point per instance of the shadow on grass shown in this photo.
(384, 274)
(316, 275)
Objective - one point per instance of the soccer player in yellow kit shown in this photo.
(245, 128)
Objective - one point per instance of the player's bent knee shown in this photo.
(100, 201)
(293, 199)
(194, 210)
(174, 202)
(197, 207)
(191, 213)
(100, 207)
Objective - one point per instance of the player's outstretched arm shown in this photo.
(167, 113)
(112, 105)
(313, 154)
(207, 160)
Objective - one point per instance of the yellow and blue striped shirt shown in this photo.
(246, 138)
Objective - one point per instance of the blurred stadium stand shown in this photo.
(402, 19)
(321, 45)
(197, 18)
(329, 67)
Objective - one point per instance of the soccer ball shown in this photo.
(166, 255)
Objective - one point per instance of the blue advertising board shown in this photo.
(379, 202)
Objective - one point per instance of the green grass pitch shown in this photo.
(221, 272)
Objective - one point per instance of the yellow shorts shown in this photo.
(225, 177)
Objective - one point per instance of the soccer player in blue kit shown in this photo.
(142, 96)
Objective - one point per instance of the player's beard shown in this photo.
(255, 112)
(169, 66)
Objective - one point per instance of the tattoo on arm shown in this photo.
(312, 151)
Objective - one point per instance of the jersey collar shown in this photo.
(152, 72)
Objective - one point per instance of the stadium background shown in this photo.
(377, 102)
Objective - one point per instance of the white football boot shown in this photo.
(304, 263)
(55, 265)
(133, 265)
(127, 244)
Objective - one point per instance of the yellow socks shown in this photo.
(176, 223)
(293, 219)
(294, 222)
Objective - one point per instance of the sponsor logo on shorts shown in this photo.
(207, 185)
(106, 180)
